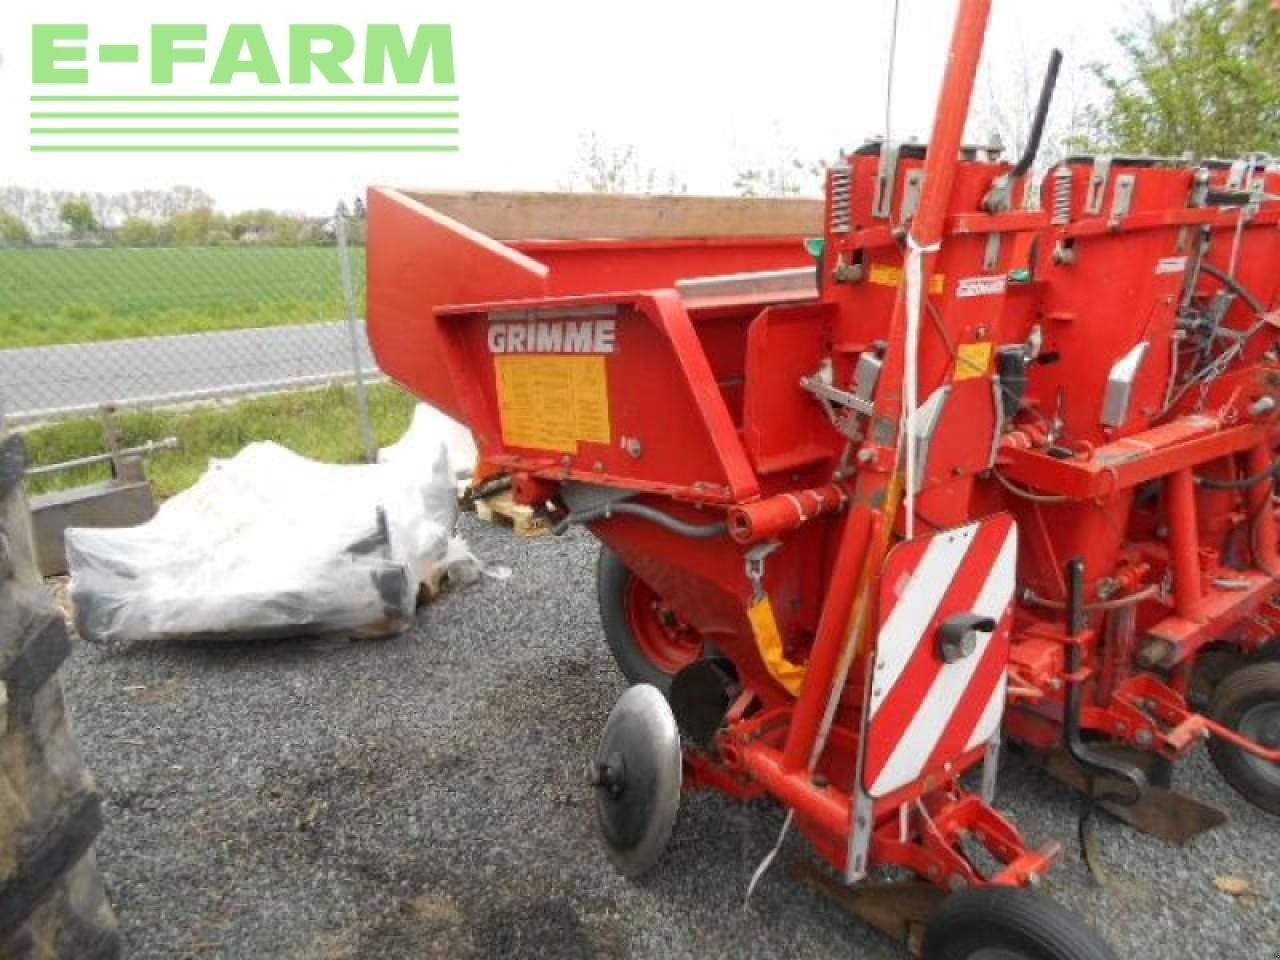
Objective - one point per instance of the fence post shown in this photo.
(353, 332)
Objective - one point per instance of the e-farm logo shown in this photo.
(318, 87)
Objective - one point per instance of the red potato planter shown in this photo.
(963, 472)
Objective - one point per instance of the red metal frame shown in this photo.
(708, 422)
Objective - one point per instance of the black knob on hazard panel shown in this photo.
(958, 635)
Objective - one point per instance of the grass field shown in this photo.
(321, 424)
(83, 295)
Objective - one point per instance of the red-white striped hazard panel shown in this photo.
(925, 712)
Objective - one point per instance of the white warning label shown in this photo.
(981, 286)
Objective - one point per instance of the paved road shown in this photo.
(39, 382)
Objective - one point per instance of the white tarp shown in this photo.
(420, 445)
(269, 542)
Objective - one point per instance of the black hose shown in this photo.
(1243, 483)
(664, 520)
(1236, 287)
(1253, 542)
(490, 487)
(1000, 196)
(1042, 113)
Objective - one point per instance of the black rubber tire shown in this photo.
(612, 581)
(52, 899)
(1022, 922)
(1269, 652)
(1212, 666)
(1251, 686)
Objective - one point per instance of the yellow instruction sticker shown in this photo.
(552, 402)
(973, 360)
(886, 275)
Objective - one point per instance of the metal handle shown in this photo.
(958, 635)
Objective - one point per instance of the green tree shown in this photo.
(139, 232)
(13, 232)
(78, 215)
(1204, 79)
(604, 168)
(194, 227)
(789, 177)
(250, 225)
(285, 232)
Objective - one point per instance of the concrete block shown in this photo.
(110, 504)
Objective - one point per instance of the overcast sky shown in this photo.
(701, 88)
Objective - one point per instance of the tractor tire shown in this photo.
(1009, 923)
(52, 900)
(1269, 652)
(647, 642)
(1248, 701)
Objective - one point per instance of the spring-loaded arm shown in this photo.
(1093, 763)
(1082, 753)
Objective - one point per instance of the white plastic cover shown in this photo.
(419, 446)
(269, 542)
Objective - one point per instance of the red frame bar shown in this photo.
(1184, 541)
(1132, 460)
(876, 495)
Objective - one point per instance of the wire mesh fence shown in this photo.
(87, 322)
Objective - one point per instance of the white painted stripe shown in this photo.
(918, 602)
(924, 731)
(989, 722)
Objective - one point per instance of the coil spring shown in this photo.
(1062, 195)
(841, 185)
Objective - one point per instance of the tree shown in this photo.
(1008, 92)
(789, 177)
(192, 228)
(285, 231)
(40, 209)
(139, 232)
(1205, 79)
(13, 232)
(78, 216)
(603, 168)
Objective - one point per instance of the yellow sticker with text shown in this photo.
(553, 402)
(973, 360)
(886, 275)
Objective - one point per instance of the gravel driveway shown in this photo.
(423, 797)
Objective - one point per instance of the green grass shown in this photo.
(83, 295)
(321, 424)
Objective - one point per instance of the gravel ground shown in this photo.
(423, 796)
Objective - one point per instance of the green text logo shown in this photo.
(256, 70)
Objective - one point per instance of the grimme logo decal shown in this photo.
(307, 87)
(554, 336)
(980, 286)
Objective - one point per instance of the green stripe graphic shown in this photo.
(203, 112)
(222, 115)
(243, 148)
(244, 99)
(165, 131)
